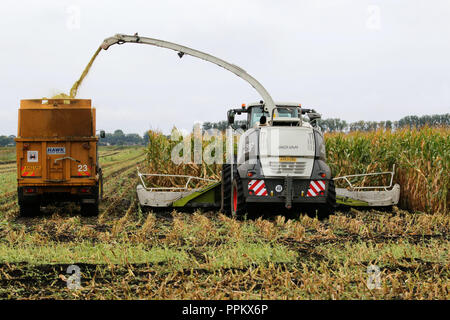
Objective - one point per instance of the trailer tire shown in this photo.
(100, 183)
(91, 209)
(325, 210)
(237, 201)
(226, 188)
(29, 209)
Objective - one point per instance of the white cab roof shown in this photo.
(278, 104)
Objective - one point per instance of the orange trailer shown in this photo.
(57, 155)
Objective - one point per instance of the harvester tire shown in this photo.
(226, 188)
(325, 210)
(237, 201)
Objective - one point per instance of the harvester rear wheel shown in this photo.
(226, 188)
(237, 201)
(325, 210)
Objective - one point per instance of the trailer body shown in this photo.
(57, 155)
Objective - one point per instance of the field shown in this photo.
(125, 253)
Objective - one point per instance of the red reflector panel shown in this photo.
(316, 188)
(258, 187)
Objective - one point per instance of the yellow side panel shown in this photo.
(55, 123)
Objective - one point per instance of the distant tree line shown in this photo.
(435, 120)
(335, 125)
(119, 138)
(221, 125)
(7, 141)
(329, 125)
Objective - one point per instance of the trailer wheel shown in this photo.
(226, 188)
(237, 201)
(29, 209)
(100, 183)
(91, 209)
(325, 210)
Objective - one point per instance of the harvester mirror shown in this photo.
(314, 116)
(262, 120)
(230, 117)
(102, 134)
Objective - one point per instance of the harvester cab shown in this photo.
(284, 114)
(280, 162)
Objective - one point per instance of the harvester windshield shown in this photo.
(286, 112)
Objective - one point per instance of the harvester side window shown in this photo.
(256, 114)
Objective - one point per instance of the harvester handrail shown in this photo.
(352, 187)
(189, 178)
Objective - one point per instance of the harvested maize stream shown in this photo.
(126, 253)
(77, 84)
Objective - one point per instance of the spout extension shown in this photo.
(268, 102)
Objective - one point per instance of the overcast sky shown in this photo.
(354, 60)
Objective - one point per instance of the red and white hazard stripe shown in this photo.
(258, 187)
(315, 188)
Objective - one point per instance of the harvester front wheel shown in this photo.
(238, 204)
(226, 188)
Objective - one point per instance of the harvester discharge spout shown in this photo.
(269, 104)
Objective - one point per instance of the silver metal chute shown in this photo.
(269, 104)
(166, 196)
(387, 195)
(209, 195)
